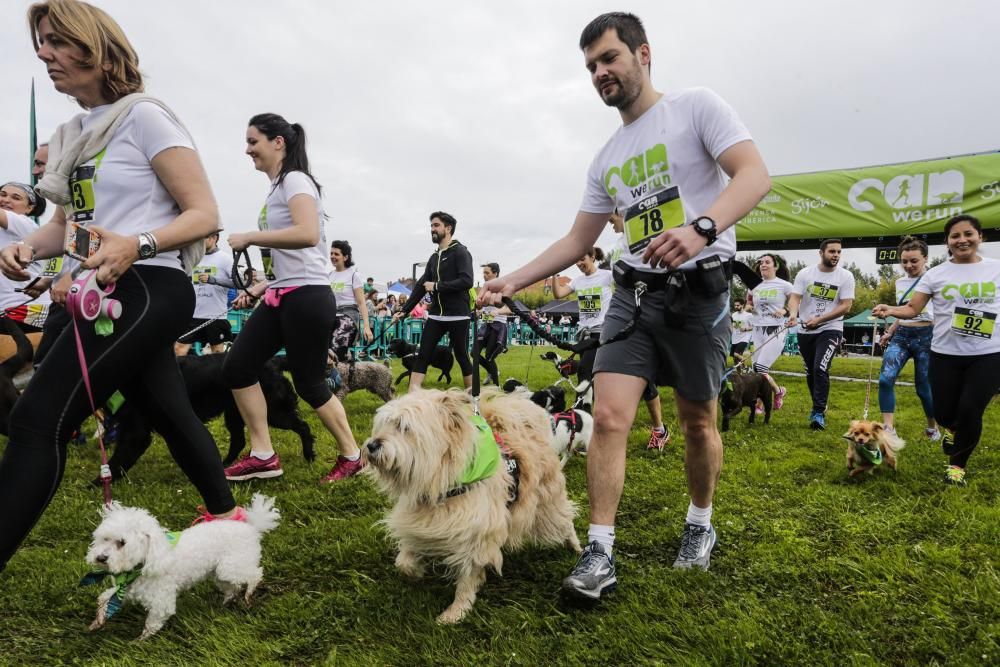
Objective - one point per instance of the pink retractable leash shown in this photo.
(87, 301)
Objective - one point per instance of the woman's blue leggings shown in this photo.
(908, 342)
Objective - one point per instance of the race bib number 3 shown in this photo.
(972, 322)
(82, 191)
(647, 218)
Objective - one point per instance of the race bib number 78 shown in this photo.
(647, 218)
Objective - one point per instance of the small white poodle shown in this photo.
(151, 566)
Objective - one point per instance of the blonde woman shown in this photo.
(147, 163)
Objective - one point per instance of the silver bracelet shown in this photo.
(29, 247)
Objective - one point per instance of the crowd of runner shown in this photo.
(666, 281)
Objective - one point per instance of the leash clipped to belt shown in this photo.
(88, 301)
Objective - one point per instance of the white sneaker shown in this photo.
(932, 434)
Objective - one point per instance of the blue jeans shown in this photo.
(906, 343)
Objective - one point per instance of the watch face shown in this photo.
(704, 224)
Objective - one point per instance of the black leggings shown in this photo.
(493, 341)
(302, 323)
(817, 351)
(585, 371)
(458, 335)
(962, 388)
(54, 324)
(137, 359)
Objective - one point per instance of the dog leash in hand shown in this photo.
(88, 301)
(871, 362)
(242, 281)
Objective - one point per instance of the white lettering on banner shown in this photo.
(907, 191)
(990, 190)
(806, 205)
(927, 215)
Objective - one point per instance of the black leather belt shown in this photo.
(627, 277)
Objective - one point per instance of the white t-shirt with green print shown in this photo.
(593, 294)
(821, 292)
(966, 300)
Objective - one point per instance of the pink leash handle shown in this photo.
(86, 300)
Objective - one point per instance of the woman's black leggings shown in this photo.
(301, 323)
(458, 335)
(137, 359)
(962, 388)
(493, 337)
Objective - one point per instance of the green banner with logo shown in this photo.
(887, 201)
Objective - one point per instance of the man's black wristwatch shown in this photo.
(706, 227)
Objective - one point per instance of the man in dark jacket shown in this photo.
(448, 279)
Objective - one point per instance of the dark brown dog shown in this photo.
(741, 390)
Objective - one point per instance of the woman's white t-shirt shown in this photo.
(966, 301)
(903, 286)
(18, 227)
(593, 294)
(118, 189)
(343, 284)
(302, 266)
(211, 298)
(769, 298)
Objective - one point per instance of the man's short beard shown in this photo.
(829, 263)
(435, 237)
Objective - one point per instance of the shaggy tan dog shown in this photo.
(420, 447)
(870, 444)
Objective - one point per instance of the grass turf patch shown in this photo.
(811, 567)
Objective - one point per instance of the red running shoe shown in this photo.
(657, 440)
(344, 469)
(251, 467)
(206, 516)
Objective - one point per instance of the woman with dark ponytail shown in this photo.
(299, 310)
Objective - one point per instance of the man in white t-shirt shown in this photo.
(665, 170)
(212, 279)
(820, 297)
(742, 329)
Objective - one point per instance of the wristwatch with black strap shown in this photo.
(706, 227)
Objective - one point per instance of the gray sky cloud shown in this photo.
(486, 111)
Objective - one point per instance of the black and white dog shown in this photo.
(210, 398)
(571, 429)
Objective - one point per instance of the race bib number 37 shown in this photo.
(647, 218)
(823, 291)
(972, 322)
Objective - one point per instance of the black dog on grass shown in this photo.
(741, 390)
(441, 358)
(210, 397)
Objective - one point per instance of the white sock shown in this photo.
(355, 457)
(263, 456)
(603, 535)
(699, 516)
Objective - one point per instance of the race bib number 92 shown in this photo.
(972, 322)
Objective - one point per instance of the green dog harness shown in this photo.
(121, 581)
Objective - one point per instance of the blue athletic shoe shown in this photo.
(334, 381)
(817, 421)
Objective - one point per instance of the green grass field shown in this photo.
(811, 568)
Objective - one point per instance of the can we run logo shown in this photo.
(913, 198)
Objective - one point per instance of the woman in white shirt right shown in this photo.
(965, 350)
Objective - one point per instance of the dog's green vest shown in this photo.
(486, 456)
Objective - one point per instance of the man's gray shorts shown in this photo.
(691, 360)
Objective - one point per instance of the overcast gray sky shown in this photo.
(485, 110)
